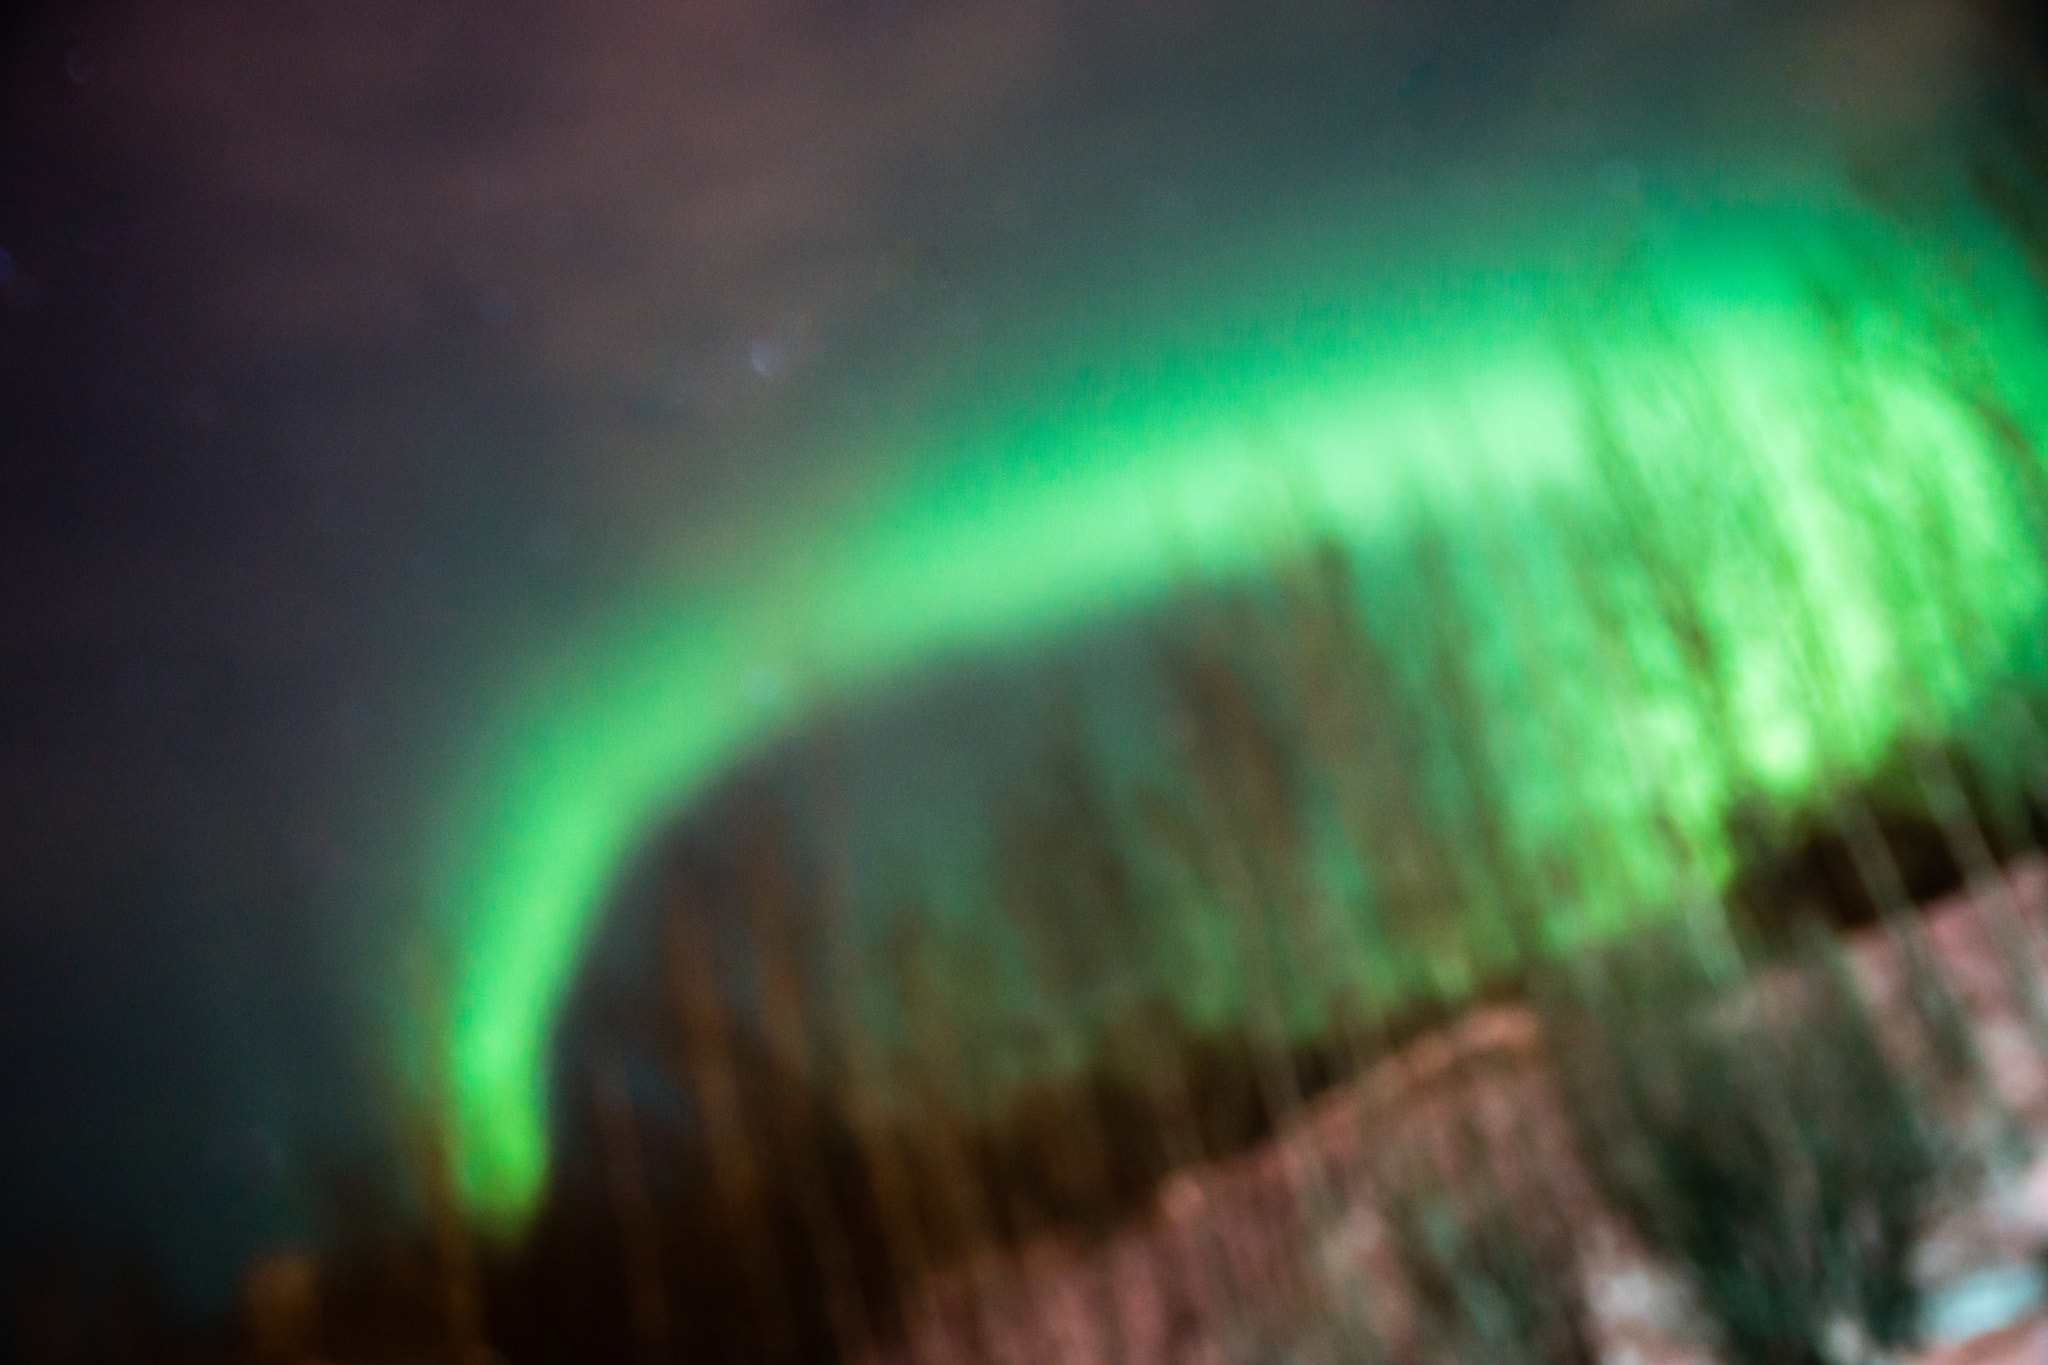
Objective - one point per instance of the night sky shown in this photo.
(351, 354)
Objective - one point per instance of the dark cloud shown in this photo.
(623, 204)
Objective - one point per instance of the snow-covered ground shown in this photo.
(1276, 1253)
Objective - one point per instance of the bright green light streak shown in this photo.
(1103, 496)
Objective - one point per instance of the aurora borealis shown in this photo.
(450, 447)
(1110, 485)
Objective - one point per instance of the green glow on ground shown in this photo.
(1103, 492)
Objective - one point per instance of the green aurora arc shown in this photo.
(1100, 493)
